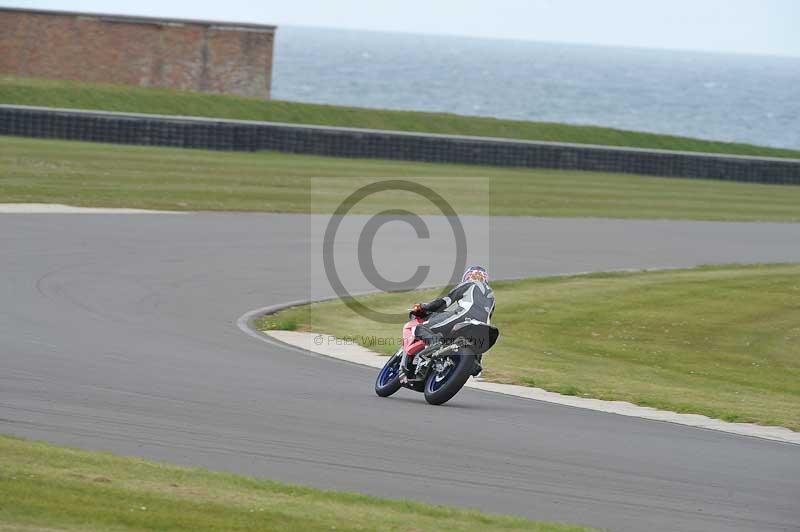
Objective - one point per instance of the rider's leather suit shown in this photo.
(469, 300)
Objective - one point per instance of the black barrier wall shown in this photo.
(233, 135)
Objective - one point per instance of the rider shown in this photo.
(472, 299)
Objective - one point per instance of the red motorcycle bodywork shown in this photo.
(411, 344)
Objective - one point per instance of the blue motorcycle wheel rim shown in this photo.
(438, 380)
(389, 372)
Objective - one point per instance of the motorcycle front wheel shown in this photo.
(441, 387)
(388, 380)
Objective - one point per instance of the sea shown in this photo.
(741, 98)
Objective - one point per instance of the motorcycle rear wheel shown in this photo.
(441, 388)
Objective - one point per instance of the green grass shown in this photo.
(100, 175)
(718, 341)
(68, 94)
(44, 487)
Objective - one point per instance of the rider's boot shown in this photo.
(478, 369)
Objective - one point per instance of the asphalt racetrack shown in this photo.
(118, 333)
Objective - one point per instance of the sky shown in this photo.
(738, 26)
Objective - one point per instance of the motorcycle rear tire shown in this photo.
(465, 364)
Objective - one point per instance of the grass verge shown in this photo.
(44, 487)
(101, 175)
(70, 94)
(718, 341)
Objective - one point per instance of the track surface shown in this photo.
(118, 333)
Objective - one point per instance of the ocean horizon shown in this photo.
(711, 95)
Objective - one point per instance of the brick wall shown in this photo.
(180, 54)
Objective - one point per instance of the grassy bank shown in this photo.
(26, 91)
(44, 487)
(90, 174)
(719, 341)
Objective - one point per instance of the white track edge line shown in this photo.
(59, 208)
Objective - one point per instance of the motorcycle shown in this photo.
(439, 370)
